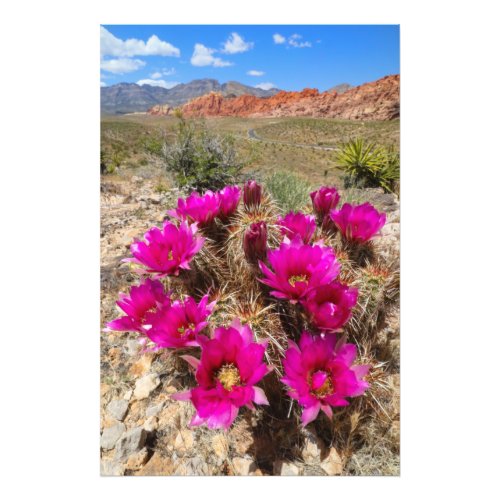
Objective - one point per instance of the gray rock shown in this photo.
(244, 466)
(152, 411)
(111, 468)
(133, 347)
(118, 408)
(193, 467)
(313, 447)
(146, 385)
(131, 442)
(281, 468)
(111, 435)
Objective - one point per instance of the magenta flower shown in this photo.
(324, 199)
(330, 306)
(140, 307)
(358, 223)
(179, 325)
(166, 251)
(320, 374)
(229, 198)
(297, 223)
(255, 241)
(195, 208)
(298, 269)
(230, 366)
(252, 194)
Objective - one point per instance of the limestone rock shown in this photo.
(111, 468)
(282, 468)
(131, 442)
(243, 466)
(184, 441)
(157, 466)
(151, 424)
(146, 385)
(152, 411)
(313, 447)
(137, 460)
(118, 408)
(110, 435)
(332, 464)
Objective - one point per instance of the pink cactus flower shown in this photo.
(324, 199)
(298, 269)
(229, 198)
(231, 364)
(179, 325)
(166, 251)
(330, 306)
(255, 241)
(298, 223)
(140, 307)
(202, 209)
(358, 223)
(321, 374)
(252, 194)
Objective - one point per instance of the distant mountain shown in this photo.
(341, 88)
(130, 97)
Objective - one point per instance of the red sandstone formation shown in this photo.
(377, 100)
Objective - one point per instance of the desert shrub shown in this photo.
(201, 160)
(367, 165)
(289, 191)
(110, 161)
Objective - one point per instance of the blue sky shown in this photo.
(289, 57)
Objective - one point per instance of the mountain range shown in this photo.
(130, 97)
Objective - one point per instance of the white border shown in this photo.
(50, 207)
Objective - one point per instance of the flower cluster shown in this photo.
(319, 368)
(203, 209)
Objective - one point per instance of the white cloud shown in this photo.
(164, 72)
(113, 46)
(294, 41)
(202, 56)
(278, 38)
(122, 65)
(103, 84)
(255, 72)
(235, 44)
(157, 83)
(265, 86)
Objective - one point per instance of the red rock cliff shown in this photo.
(377, 100)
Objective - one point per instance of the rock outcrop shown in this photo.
(377, 100)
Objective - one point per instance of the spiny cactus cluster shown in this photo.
(261, 305)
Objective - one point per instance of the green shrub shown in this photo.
(368, 165)
(288, 190)
(201, 160)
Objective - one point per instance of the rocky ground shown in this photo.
(143, 431)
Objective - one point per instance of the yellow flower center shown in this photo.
(297, 278)
(229, 376)
(182, 329)
(325, 390)
(170, 255)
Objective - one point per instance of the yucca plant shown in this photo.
(368, 165)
